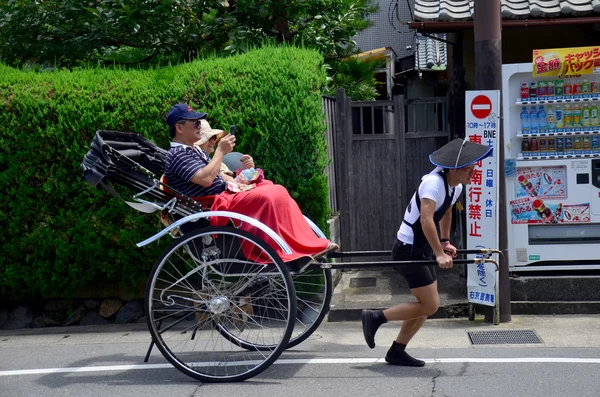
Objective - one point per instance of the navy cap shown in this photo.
(182, 111)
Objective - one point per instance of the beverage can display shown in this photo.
(525, 119)
(594, 116)
(559, 88)
(542, 119)
(577, 143)
(568, 89)
(587, 144)
(542, 88)
(525, 145)
(577, 116)
(550, 89)
(560, 145)
(567, 117)
(577, 87)
(533, 89)
(594, 87)
(533, 145)
(586, 119)
(585, 87)
(595, 142)
(533, 120)
(550, 118)
(558, 115)
(524, 90)
(551, 144)
(543, 144)
(568, 144)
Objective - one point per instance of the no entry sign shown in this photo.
(482, 109)
(481, 106)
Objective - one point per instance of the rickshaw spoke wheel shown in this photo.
(313, 296)
(209, 280)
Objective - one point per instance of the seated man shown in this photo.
(190, 170)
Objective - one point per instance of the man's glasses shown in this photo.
(196, 122)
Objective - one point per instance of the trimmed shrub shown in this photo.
(60, 235)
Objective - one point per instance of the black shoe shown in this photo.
(403, 358)
(370, 325)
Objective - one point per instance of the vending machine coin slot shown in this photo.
(583, 179)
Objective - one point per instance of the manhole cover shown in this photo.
(504, 337)
(361, 282)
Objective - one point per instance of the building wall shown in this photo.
(382, 34)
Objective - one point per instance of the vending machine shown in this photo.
(552, 166)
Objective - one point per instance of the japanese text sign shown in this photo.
(482, 111)
(566, 61)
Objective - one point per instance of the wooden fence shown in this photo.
(378, 158)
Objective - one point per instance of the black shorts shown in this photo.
(416, 275)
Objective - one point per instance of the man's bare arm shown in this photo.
(446, 223)
(428, 225)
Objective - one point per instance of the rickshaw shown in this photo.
(220, 304)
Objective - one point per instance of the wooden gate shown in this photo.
(380, 151)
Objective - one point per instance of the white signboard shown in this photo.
(483, 126)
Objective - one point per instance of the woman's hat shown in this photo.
(459, 153)
(206, 132)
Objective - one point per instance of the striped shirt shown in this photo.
(182, 163)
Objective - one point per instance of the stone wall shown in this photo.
(64, 312)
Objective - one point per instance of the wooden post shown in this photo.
(399, 132)
(340, 163)
(488, 76)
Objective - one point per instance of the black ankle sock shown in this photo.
(379, 317)
(398, 347)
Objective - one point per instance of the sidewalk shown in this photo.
(391, 288)
(385, 287)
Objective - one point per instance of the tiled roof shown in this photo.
(461, 10)
(431, 54)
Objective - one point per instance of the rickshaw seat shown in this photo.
(205, 201)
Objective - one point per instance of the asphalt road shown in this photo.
(108, 361)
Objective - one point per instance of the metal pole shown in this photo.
(488, 76)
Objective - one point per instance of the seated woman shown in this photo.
(190, 170)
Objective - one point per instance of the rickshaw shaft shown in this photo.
(354, 254)
(379, 264)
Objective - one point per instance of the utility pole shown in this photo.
(488, 76)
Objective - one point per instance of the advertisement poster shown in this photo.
(530, 210)
(535, 210)
(566, 61)
(576, 213)
(541, 182)
(482, 109)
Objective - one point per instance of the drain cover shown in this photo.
(361, 282)
(504, 337)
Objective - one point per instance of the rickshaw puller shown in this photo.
(429, 209)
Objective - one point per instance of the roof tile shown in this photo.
(461, 10)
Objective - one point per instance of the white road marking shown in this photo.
(522, 360)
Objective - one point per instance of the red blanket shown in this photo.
(272, 205)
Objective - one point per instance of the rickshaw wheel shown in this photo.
(313, 297)
(204, 283)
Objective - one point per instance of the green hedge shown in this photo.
(60, 235)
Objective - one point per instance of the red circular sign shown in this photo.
(481, 107)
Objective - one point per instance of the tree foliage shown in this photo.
(72, 32)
